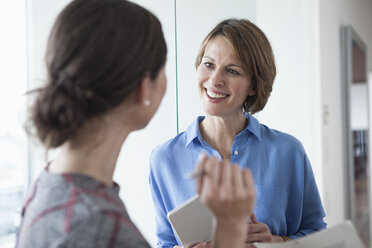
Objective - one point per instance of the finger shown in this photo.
(249, 187)
(226, 175)
(213, 170)
(226, 186)
(200, 245)
(257, 228)
(237, 177)
(210, 184)
(247, 178)
(253, 218)
(259, 237)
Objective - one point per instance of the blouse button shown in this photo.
(236, 152)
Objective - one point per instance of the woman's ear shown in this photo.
(143, 91)
(252, 92)
(252, 89)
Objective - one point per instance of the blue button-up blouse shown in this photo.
(287, 202)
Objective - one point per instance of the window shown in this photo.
(13, 146)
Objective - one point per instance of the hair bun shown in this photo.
(61, 109)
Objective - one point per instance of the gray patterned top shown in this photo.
(74, 210)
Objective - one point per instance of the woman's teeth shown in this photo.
(215, 95)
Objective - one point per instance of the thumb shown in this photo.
(253, 218)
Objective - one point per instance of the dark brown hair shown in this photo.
(253, 50)
(98, 52)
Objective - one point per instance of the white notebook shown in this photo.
(193, 222)
(340, 236)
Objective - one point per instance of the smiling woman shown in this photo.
(235, 73)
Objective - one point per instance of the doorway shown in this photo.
(356, 132)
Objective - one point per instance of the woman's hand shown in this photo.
(229, 192)
(226, 189)
(258, 232)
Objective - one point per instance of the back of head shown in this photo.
(98, 52)
(253, 49)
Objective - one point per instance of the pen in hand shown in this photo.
(194, 174)
(197, 173)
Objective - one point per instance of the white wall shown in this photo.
(292, 26)
(333, 15)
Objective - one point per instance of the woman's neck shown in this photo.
(220, 132)
(93, 153)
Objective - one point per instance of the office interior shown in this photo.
(321, 95)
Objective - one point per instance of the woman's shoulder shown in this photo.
(179, 142)
(171, 146)
(104, 223)
(281, 139)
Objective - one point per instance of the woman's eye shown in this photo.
(208, 65)
(232, 71)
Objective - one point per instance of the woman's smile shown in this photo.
(215, 95)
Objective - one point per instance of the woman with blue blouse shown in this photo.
(235, 73)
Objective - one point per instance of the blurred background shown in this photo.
(321, 95)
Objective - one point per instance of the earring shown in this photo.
(147, 102)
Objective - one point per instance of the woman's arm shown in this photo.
(312, 208)
(164, 232)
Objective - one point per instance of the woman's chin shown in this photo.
(213, 112)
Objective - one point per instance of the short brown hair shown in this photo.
(254, 51)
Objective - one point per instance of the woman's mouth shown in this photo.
(215, 95)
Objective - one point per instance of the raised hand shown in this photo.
(229, 192)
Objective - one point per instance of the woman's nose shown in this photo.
(217, 79)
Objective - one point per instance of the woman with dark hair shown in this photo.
(235, 73)
(105, 63)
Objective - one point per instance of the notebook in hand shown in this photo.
(193, 222)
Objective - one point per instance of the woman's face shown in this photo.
(223, 83)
